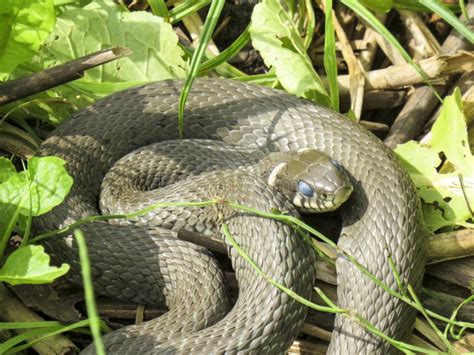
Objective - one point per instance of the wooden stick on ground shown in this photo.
(438, 69)
(422, 41)
(58, 75)
(452, 245)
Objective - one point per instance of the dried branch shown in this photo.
(58, 75)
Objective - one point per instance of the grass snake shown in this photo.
(382, 219)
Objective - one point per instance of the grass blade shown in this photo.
(415, 5)
(7, 346)
(185, 8)
(450, 328)
(311, 23)
(330, 63)
(440, 335)
(158, 7)
(94, 320)
(444, 12)
(96, 218)
(29, 325)
(209, 25)
(227, 53)
(462, 5)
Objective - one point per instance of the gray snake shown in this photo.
(382, 219)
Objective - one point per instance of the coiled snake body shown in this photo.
(381, 219)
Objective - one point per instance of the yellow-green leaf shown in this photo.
(30, 265)
(446, 186)
(275, 35)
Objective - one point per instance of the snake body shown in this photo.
(382, 219)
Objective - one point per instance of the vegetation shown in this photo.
(290, 36)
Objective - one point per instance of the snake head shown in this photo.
(313, 181)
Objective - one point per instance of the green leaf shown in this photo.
(275, 35)
(24, 25)
(433, 218)
(48, 181)
(104, 88)
(439, 182)
(454, 145)
(31, 192)
(30, 265)
(7, 169)
(104, 24)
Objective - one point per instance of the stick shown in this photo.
(58, 75)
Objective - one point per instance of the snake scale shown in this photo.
(382, 219)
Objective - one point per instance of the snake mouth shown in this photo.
(342, 194)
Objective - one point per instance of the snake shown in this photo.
(381, 222)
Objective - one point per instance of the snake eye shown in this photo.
(305, 189)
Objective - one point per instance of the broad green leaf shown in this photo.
(433, 217)
(7, 169)
(50, 183)
(46, 179)
(102, 24)
(104, 88)
(96, 26)
(24, 26)
(30, 265)
(275, 35)
(454, 145)
(440, 186)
